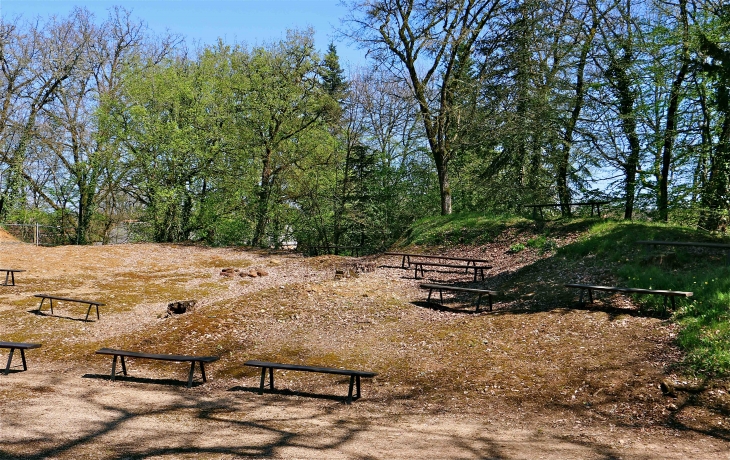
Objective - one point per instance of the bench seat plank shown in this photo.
(445, 287)
(51, 298)
(355, 375)
(162, 357)
(22, 346)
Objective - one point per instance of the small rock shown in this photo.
(253, 274)
(672, 407)
(261, 272)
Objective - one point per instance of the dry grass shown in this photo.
(534, 361)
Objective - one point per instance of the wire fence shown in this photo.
(50, 235)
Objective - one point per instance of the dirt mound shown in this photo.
(5, 236)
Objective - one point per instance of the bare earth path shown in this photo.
(535, 378)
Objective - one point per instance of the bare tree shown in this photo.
(423, 41)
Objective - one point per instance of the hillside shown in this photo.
(539, 373)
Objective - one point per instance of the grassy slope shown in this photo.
(705, 329)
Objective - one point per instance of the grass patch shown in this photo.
(466, 228)
(705, 317)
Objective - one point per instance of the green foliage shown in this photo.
(704, 318)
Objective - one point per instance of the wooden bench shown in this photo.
(10, 275)
(22, 346)
(354, 375)
(444, 287)
(688, 243)
(418, 265)
(665, 293)
(51, 298)
(132, 354)
(539, 207)
(407, 258)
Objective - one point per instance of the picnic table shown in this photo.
(593, 204)
(407, 259)
(10, 275)
(688, 244)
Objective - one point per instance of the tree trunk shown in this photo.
(670, 130)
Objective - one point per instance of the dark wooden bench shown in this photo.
(201, 360)
(354, 375)
(722, 246)
(10, 275)
(443, 287)
(51, 298)
(406, 262)
(590, 288)
(478, 269)
(22, 346)
(539, 207)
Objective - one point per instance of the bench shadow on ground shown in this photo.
(144, 380)
(288, 392)
(464, 308)
(49, 315)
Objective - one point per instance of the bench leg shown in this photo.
(429, 294)
(22, 356)
(10, 359)
(51, 302)
(263, 380)
(190, 375)
(114, 367)
(202, 371)
(349, 394)
(441, 296)
(41, 305)
(12, 277)
(479, 301)
(7, 274)
(87, 313)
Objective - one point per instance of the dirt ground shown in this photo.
(538, 377)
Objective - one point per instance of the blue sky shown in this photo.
(249, 21)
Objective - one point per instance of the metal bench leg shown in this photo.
(490, 301)
(10, 359)
(403, 262)
(441, 296)
(87, 313)
(429, 294)
(51, 302)
(580, 300)
(357, 384)
(22, 356)
(263, 380)
(7, 274)
(12, 277)
(202, 371)
(590, 295)
(349, 394)
(271, 378)
(479, 301)
(190, 375)
(43, 299)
